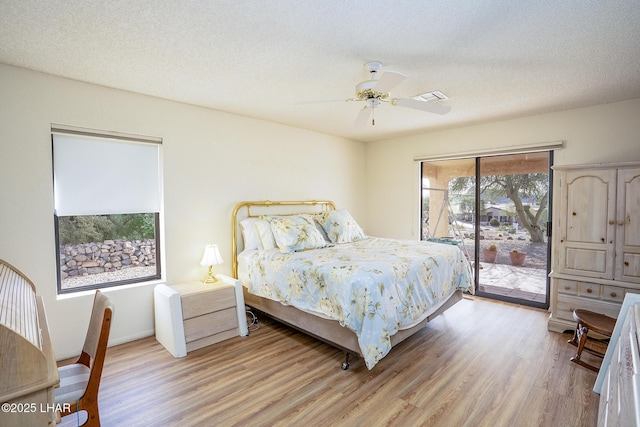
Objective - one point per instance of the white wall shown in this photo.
(212, 160)
(603, 133)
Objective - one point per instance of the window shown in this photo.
(107, 198)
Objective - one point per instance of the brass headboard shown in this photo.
(263, 205)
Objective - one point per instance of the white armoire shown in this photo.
(596, 240)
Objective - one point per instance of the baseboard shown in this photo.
(560, 326)
(134, 337)
(112, 342)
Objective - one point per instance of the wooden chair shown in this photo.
(589, 321)
(79, 382)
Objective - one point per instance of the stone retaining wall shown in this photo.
(108, 256)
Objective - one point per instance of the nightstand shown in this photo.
(193, 315)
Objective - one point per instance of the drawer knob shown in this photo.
(613, 294)
(566, 288)
(589, 290)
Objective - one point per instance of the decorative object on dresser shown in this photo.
(618, 381)
(190, 316)
(28, 370)
(596, 240)
(80, 381)
(210, 258)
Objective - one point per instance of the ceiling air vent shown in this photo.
(436, 95)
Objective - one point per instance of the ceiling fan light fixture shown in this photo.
(373, 102)
(365, 85)
(365, 90)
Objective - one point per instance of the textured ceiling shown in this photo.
(261, 58)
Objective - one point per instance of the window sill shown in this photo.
(87, 292)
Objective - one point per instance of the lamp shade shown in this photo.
(211, 256)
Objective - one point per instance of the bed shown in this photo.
(310, 266)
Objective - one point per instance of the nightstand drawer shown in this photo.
(210, 324)
(198, 304)
(212, 339)
(193, 315)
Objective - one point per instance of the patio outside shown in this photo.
(527, 281)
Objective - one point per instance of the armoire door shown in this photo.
(587, 223)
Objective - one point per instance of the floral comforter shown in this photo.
(373, 286)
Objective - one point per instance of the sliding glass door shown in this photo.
(497, 209)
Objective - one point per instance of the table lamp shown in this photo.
(210, 258)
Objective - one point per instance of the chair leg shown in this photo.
(93, 414)
(581, 334)
(580, 339)
(90, 407)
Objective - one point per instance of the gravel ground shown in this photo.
(124, 274)
(536, 252)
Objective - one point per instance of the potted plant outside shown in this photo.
(517, 258)
(489, 254)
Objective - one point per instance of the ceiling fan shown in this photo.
(376, 90)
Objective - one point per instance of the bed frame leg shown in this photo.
(345, 365)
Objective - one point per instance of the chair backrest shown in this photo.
(99, 327)
(92, 356)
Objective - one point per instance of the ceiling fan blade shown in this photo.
(430, 107)
(320, 101)
(363, 117)
(389, 80)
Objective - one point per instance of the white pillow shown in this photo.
(266, 240)
(249, 235)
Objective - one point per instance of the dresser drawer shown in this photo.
(198, 304)
(567, 304)
(589, 290)
(568, 287)
(210, 324)
(612, 293)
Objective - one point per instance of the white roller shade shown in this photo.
(513, 149)
(95, 175)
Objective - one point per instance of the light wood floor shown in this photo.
(482, 363)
